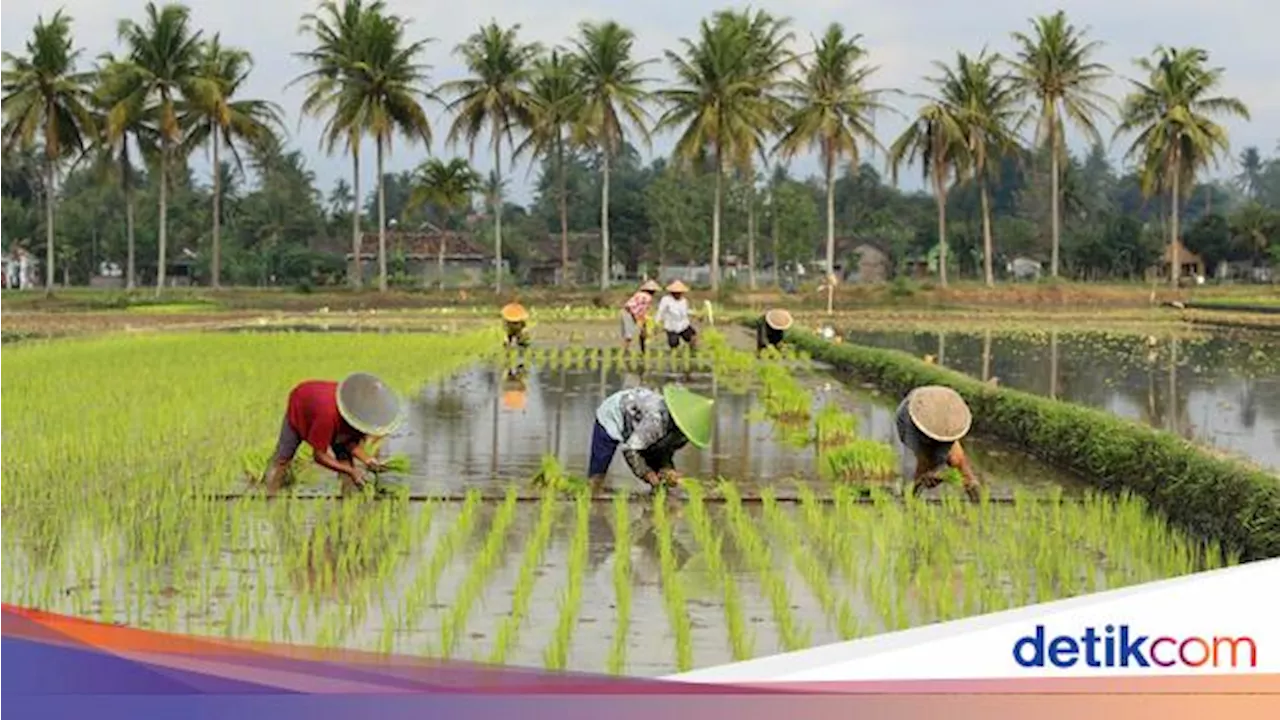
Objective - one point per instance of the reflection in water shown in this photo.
(1223, 391)
(460, 434)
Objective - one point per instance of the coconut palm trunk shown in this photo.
(217, 215)
(987, 243)
(497, 205)
(382, 221)
(940, 196)
(563, 181)
(751, 238)
(715, 222)
(49, 194)
(1055, 222)
(1175, 268)
(830, 176)
(130, 226)
(604, 219)
(357, 263)
(440, 262)
(164, 217)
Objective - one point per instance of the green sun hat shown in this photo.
(368, 404)
(691, 413)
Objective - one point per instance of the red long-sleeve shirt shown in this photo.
(313, 414)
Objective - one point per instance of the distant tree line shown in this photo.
(96, 155)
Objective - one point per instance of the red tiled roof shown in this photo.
(425, 244)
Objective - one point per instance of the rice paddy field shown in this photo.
(127, 500)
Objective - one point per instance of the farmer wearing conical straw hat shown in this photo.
(515, 318)
(931, 421)
(771, 328)
(650, 426)
(635, 314)
(673, 313)
(335, 419)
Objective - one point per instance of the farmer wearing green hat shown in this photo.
(335, 419)
(650, 426)
(931, 421)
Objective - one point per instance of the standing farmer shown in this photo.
(335, 418)
(635, 314)
(673, 313)
(931, 421)
(650, 427)
(771, 328)
(515, 319)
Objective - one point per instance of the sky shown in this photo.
(903, 38)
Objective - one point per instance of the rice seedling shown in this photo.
(760, 558)
(482, 565)
(741, 640)
(556, 654)
(621, 584)
(814, 571)
(858, 460)
(833, 427)
(673, 595)
(536, 547)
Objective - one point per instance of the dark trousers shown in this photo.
(603, 447)
(674, 338)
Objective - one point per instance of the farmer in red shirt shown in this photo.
(335, 418)
(635, 314)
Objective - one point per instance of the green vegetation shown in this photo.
(1214, 499)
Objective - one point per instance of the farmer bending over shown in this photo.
(771, 328)
(335, 418)
(650, 427)
(635, 314)
(931, 421)
(515, 318)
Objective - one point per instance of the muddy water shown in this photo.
(484, 428)
(1222, 392)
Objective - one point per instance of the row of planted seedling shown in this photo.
(461, 579)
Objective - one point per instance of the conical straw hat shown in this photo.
(514, 312)
(939, 412)
(368, 405)
(677, 287)
(778, 319)
(691, 413)
(650, 286)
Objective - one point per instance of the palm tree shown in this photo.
(612, 94)
(770, 37)
(497, 94)
(164, 54)
(556, 96)
(47, 100)
(447, 187)
(336, 30)
(1054, 70)
(936, 139)
(122, 120)
(1252, 169)
(213, 115)
(718, 103)
(982, 99)
(1172, 115)
(832, 110)
(383, 90)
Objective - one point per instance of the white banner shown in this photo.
(1220, 622)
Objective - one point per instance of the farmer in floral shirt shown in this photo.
(650, 427)
(931, 421)
(635, 314)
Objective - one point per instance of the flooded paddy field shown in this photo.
(1221, 391)
(507, 571)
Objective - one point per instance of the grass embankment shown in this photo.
(1212, 498)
